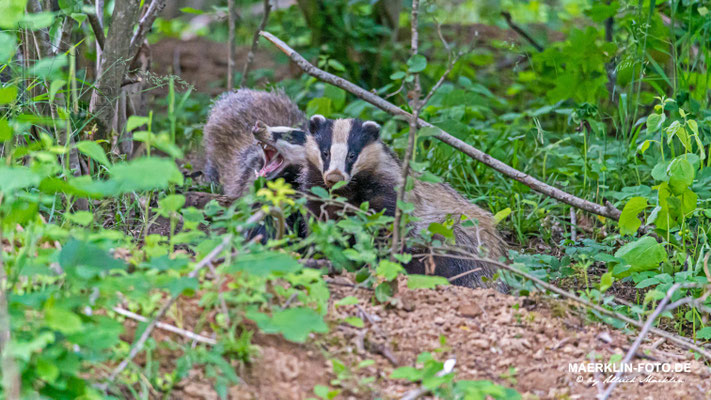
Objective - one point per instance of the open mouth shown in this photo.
(273, 161)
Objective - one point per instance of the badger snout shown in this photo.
(333, 177)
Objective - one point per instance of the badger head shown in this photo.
(282, 146)
(341, 148)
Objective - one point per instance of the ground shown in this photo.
(526, 343)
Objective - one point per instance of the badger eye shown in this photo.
(351, 156)
(325, 153)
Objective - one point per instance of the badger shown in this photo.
(234, 157)
(350, 151)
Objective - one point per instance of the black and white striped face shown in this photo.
(283, 146)
(343, 147)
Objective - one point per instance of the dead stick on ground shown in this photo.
(167, 327)
(680, 341)
(608, 210)
(640, 338)
(255, 42)
(161, 312)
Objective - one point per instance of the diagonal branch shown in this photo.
(97, 29)
(255, 41)
(607, 210)
(520, 31)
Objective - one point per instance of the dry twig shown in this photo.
(167, 327)
(607, 210)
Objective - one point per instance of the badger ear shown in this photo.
(315, 123)
(372, 129)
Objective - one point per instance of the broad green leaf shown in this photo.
(388, 269)
(83, 218)
(417, 63)
(320, 105)
(425, 281)
(11, 12)
(62, 320)
(337, 96)
(8, 94)
(173, 202)
(355, 321)
(265, 264)
(8, 46)
(410, 373)
(347, 301)
(93, 150)
(654, 122)
(145, 174)
(642, 254)
(5, 130)
(681, 174)
(295, 324)
(135, 121)
(397, 75)
(704, 333)
(86, 260)
(335, 64)
(14, 178)
(320, 192)
(49, 68)
(629, 223)
(34, 21)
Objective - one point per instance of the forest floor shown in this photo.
(526, 343)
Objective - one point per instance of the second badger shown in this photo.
(351, 151)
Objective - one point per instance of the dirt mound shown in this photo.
(526, 343)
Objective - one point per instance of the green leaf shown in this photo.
(416, 63)
(14, 178)
(11, 12)
(501, 215)
(337, 96)
(606, 281)
(642, 254)
(86, 260)
(704, 333)
(47, 370)
(135, 121)
(83, 218)
(134, 177)
(190, 10)
(295, 324)
(5, 130)
(8, 94)
(320, 192)
(412, 374)
(388, 269)
(320, 105)
(425, 281)
(265, 264)
(654, 122)
(38, 20)
(347, 301)
(355, 321)
(335, 64)
(8, 45)
(49, 68)
(681, 174)
(62, 320)
(172, 202)
(629, 223)
(397, 75)
(93, 150)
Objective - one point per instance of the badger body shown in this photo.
(350, 150)
(234, 156)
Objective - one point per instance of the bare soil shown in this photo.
(526, 343)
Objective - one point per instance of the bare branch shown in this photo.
(642, 334)
(145, 24)
(255, 41)
(98, 30)
(608, 211)
(520, 31)
(167, 327)
(678, 340)
(258, 216)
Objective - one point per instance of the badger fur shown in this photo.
(350, 150)
(234, 157)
